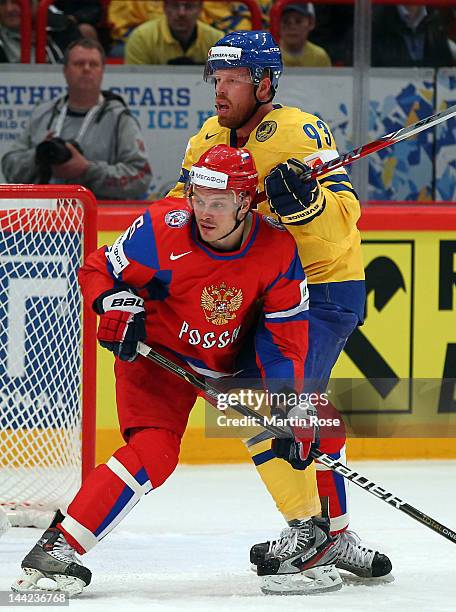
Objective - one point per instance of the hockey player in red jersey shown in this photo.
(187, 277)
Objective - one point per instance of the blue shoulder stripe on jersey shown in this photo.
(261, 458)
(184, 176)
(337, 188)
(141, 246)
(294, 272)
(233, 138)
(228, 256)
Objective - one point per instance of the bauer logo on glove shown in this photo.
(122, 322)
(294, 200)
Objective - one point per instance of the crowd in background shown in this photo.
(182, 31)
(89, 136)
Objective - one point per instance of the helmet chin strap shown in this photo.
(258, 104)
(237, 223)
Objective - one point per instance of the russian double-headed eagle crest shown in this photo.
(219, 303)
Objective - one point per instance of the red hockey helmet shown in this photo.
(224, 167)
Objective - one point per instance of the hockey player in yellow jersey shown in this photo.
(245, 68)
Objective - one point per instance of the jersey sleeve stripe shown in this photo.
(184, 175)
(339, 188)
(300, 316)
(294, 272)
(291, 312)
(263, 457)
(336, 178)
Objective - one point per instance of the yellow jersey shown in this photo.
(127, 15)
(330, 245)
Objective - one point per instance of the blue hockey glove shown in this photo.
(294, 201)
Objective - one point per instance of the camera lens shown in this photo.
(52, 151)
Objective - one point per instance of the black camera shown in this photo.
(52, 152)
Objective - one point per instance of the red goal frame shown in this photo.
(89, 203)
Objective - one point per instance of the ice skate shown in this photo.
(359, 560)
(301, 561)
(53, 558)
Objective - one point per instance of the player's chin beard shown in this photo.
(229, 122)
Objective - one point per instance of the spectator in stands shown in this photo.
(86, 14)
(448, 17)
(87, 137)
(296, 23)
(63, 28)
(10, 22)
(230, 16)
(225, 16)
(178, 37)
(409, 35)
(125, 16)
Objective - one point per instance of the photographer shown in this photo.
(88, 137)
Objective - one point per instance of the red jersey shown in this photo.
(200, 303)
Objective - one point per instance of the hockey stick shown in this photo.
(381, 143)
(337, 466)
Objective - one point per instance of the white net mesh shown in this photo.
(41, 248)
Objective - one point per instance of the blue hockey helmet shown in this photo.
(255, 50)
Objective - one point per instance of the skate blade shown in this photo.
(30, 579)
(313, 581)
(355, 580)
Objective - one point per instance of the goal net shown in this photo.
(47, 362)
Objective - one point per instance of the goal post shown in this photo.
(47, 348)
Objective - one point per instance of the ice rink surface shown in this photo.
(185, 546)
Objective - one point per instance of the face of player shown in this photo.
(10, 14)
(182, 16)
(84, 70)
(295, 29)
(234, 96)
(215, 215)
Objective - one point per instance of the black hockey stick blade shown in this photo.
(365, 483)
(376, 145)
